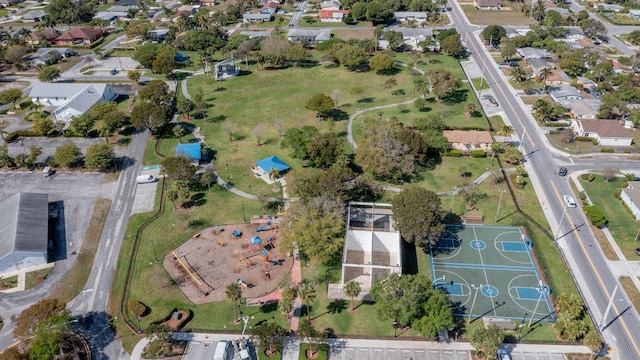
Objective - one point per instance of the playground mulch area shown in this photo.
(490, 272)
(213, 258)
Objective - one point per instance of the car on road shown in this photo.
(570, 201)
(503, 355)
(563, 171)
(114, 71)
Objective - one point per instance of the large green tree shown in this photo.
(418, 215)
(382, 155)
(11, 96)
(381, 62)
(146, 114)
(66, 155)
(308, 184)
(179, 168)
(493, 34)
(48, 74)
(296, 140)
(316, 226)
(351, 56)
(320, 103)
(233, 293)
(452, 45)
(269, 335)
(439, 82)
(99, 156)
(69, 12)
(324, 149)
(34, 315)
(149, 52)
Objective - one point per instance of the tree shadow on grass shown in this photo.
(198, 199)
(269, 308)
(366, 100)
(244, 73)
(457, 97)
(338, 115)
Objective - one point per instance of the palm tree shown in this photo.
(286, 306)
(544, 75)
(233, 293)
(352, 290)
(506, 131)
(308, 294)
(518, 74)
(544, 110)
(538, 11)
(274, 174)
(470, 108)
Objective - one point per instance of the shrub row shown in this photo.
(606, 150)
(588, 177)
(594, 141)
(13, 136)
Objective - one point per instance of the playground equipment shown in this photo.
(263, 227)
(236, 234)
(274, 262)
(242, 282)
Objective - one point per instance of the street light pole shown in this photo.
(473, 303)
(541, 290)
(499, 202)
(227, 168)
(564, 212)
(606, 312)
(244, 218)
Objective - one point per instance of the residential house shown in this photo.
(158, 34)
(190, 8)
(608, 7)
(618, 68)
(255, 18)
(573, 32)
(68, 100)
(406, 16)
(210, 3)
(487, 4)
(631, 197)
(528, 53)
(79, 36)
(48, 56)
(121, 8)
(33, 16)
(130, 3)
(44, 37)
(467, 141)
(330, 5)
(332, 15)
(580, 109)
(634, 14)
(607, 132)
(537, 65)
(308, 35)
(587, 84)
(412, 37)
(372, 248)
(269, 8)
(110, 15)
(557, 78)
(10, 2)
(515, 31)
(178, 14)
(564, 92)
(24, 232)
(255, 33)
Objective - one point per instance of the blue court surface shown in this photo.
(490, 271)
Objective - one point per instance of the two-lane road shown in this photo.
(586, 261)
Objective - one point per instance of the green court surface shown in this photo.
(489, 271)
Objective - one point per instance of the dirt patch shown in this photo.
(346, 35)
(13, 84)
(505, 18)
(213, 258)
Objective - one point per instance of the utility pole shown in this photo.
(499, 202)
(564, 212)
(542, 291)
(606, 312)
(473, 303)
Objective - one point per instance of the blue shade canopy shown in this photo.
(191, 151)
(273, 162)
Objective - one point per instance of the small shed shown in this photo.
(273, 162)
(190, 151)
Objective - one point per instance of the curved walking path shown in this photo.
(359, 112)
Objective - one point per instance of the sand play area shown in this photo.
(204, 265)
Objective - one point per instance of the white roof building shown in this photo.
(70, 99)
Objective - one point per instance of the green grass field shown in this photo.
(622, 225)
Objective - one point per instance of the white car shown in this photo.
(570, 201)
(503, 355)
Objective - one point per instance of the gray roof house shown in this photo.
(110, 15)
(634, 14)
(631, 197)
(580, 109)
(587, 83)
(253, 18)
(537, 65)
(412, 37)
(33, 16)
(564, 92)
(48, 56)
(533, 53)
(24, 232)
(562, 11)
(403, 16)
(312, 36)
(68, 100)
(609, 7)
(255, 33)
(573, 32)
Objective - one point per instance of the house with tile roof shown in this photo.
(79, 36)
(467, 141)
(332, 15)
(487, 4)
(607, 132)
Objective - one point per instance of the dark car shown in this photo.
(114, 71)
(563, 171)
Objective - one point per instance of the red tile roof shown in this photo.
(85, 32)
(328, 14)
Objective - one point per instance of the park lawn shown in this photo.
(150, 281)
(33, 278)
(496, 122)
(167, 147)
(490, 17)
(622, 225)
(480, 84)
(440, 61)
(447, 173)
(261, 97)
(620, 19)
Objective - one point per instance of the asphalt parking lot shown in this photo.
(381, 353)
(145, 197)
(118, 63)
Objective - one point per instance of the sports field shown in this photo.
(489, 271)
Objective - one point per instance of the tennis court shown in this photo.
(489, 271)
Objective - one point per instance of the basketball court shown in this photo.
(490, 271)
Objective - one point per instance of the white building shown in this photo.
(607, 132)
(405, 16)
(23, 232)
(631, 197)
(67, 100)
(372, 248)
